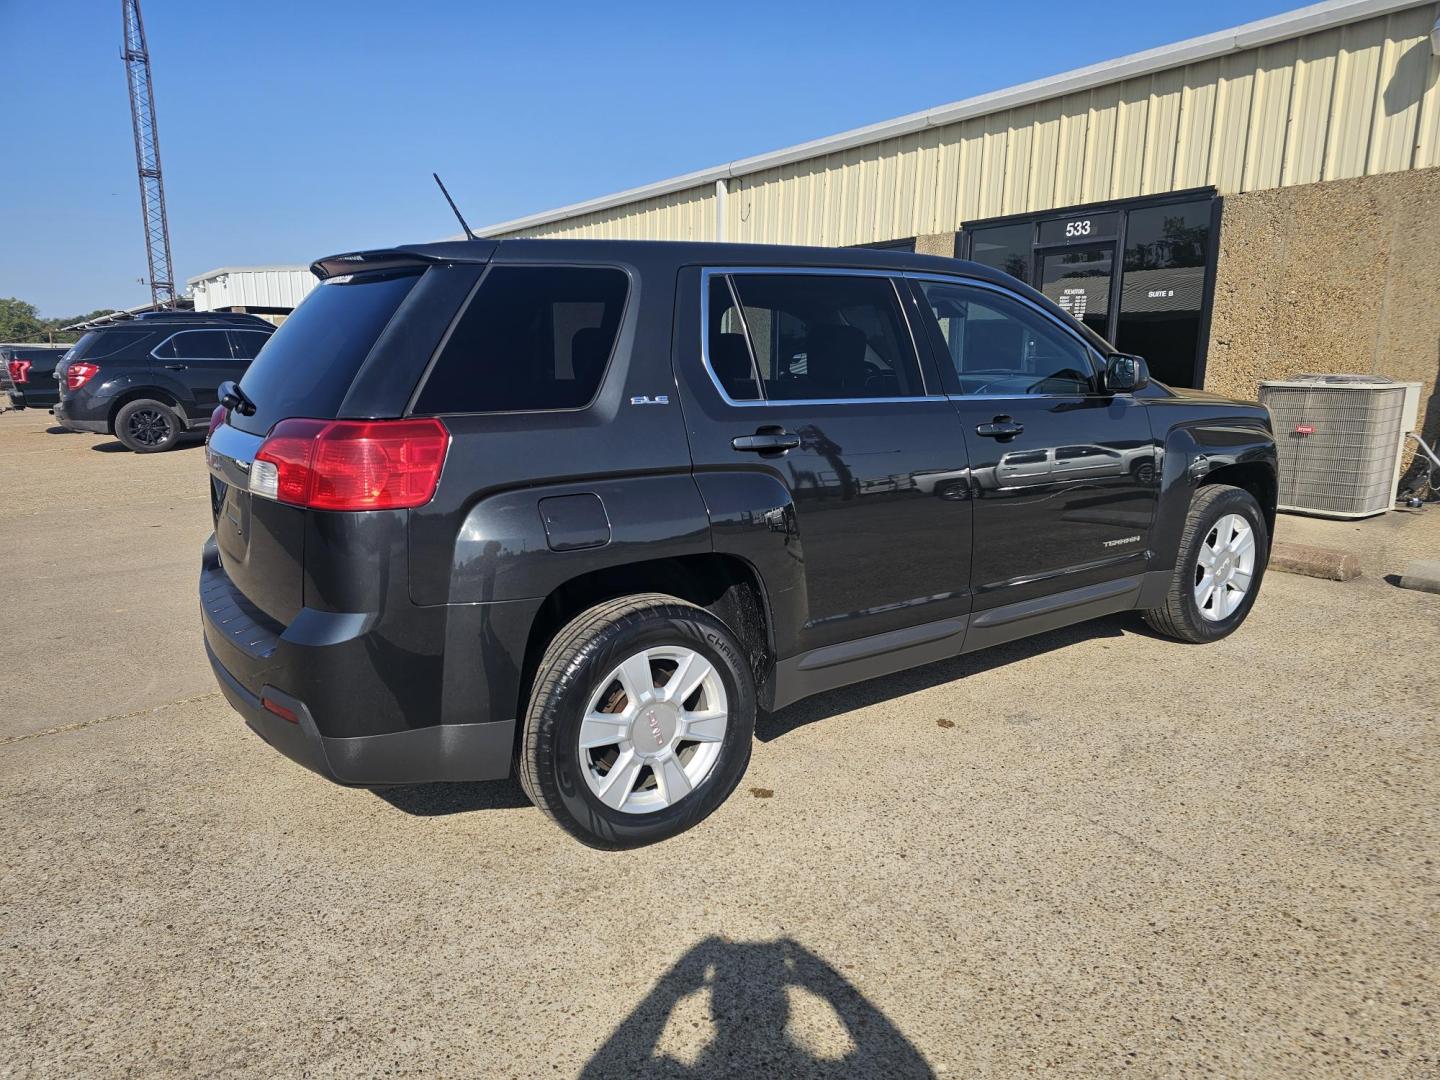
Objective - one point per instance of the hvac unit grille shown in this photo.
(1337, 437)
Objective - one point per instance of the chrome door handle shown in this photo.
(766, 442)
(177, 367)
(1002, 427)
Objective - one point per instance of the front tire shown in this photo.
(640, 721)
(1224, 550)
(147, 426)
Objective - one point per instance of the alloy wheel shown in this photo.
(653, 730)
(149, 427)
(1225, 567)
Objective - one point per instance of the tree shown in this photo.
(19, 321)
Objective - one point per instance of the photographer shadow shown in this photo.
(756, 1029)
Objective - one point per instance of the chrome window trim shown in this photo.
(1090, 353)
(708, 272)
(198, 330)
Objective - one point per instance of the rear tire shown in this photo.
(147, 426)
(618, 763)
(1224, 550)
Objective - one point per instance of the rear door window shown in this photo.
(196, 345)
(532, 338)
(811, 337)
(308, 364)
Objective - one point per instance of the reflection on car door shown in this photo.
(1063, 476)
(811, 384)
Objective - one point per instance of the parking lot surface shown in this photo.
(1091, 853)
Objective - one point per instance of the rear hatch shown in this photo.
(97, 346)
(307, 369)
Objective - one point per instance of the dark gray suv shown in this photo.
(582, 509)
(150, 379)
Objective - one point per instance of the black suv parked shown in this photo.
(31, 370)
(149, 379)
(587, 506)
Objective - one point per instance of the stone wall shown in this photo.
(936, 244)
(1342, 276)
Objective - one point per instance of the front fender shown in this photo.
(1193, 452)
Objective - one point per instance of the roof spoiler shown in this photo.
(356, 262)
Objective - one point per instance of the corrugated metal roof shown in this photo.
(1338, 89)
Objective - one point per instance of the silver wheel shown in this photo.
(652, 731)
(1224, 567)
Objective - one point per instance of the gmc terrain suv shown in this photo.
(150, 379)
(31, 371)
(581, 508)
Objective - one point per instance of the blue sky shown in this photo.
(293, 130)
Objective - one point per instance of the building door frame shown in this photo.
(1049, 243)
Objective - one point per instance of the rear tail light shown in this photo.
(351, 464)
(19, 371)
(216, 419)
(79, 373)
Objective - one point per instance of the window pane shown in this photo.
(727, 352)
(825, 337)
(247, 343)
(201, 345)
(532, 338)
(310, 362)
(1005, 247)
(1000, 346)
(1079, 283)
(1164, 287)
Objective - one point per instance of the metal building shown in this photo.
(1248, 204)
(270, 291)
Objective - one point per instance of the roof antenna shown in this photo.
(455, 209)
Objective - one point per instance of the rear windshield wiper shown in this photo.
(232, 397)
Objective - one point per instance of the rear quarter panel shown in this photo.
(482, 538)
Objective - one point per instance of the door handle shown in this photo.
(766, 442)
(1002, 427)
(177, 367)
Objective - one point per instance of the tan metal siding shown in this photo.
(1358, 99)
(683, 215)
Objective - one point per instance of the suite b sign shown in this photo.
(1079, 230)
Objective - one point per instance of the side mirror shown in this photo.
(1124, 374)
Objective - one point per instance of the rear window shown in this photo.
(307, 365)
(532, 338)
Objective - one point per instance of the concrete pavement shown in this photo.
(1092, 853)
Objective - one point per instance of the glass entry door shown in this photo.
(1078, 280)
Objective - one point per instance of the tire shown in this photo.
(147, 426)
(1183, 616)
(581, 676)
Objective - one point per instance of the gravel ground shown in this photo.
(1092, 853)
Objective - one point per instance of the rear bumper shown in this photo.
(31, 398)
(312, 676)
(69, 421)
